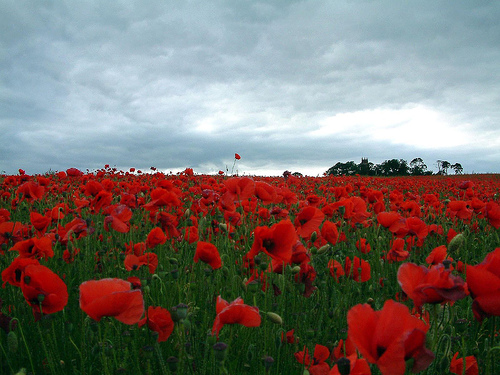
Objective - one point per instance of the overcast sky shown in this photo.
(289, 85)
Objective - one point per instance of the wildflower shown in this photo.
(235, 312)
(434, 285)
(277, 241)
(389, 337)
(483, 281)
(457, 365)
(208, 253)
(133, 261)
(111, 297)
(155, 237)
(44, 290)
(317, 364)
(159, 320)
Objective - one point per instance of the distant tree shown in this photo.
(457, 167)
(445, 165)
(341, 169)
(417, 167)
(394, 167)
(438, 163)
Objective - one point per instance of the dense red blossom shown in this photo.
(277, 241)
(457, 365)
(133, 262)
(111, 297)
(208, 253)
(308, 220)
(389, 337)
(155, 237)
(235, 312)
(43, 289)
(434, 285)
(159, 320)
(483, 281)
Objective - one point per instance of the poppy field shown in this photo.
(125, 272)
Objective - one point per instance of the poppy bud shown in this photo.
(455, 243)
(295, 270)
(275, 318)
(323, 249)
(314, 236)
(21, 372)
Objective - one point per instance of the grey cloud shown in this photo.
(187, 84)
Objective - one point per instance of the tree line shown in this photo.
(392, 167)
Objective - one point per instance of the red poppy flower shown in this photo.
(111, 297)
(434, 285)
(389, 337)
(437, 255)
(330, 232)
(308, 220)
(359, 270)
(40, 222)
(277, 241)
(159, 320)
(357, 366)
(239, 188)
(208, 253)
(155, 237)
(14, 231)
(459, 209)
(133, 262)
(363, 246)
(317, 364)
(483, 281)
(235, 312)
(336, 269)
(13, 274)
(34, 248)
(191, 234)
(73, 172)
(43, 289)
(237, 156)
(119, 217)
(457, 365)
(413, 227)
(30, 191)
(492, 213)
(265, 192)
(397, 252)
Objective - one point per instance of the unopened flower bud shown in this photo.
(275, 318)
(323, 249)
(314, 236)
(455, 243)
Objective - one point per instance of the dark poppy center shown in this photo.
(380, 350)
(302, 221)
(268, 244)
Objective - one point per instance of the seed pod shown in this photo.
(12, 342)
